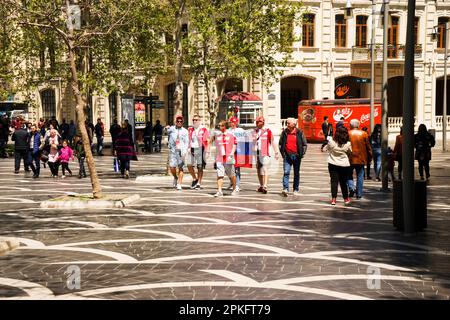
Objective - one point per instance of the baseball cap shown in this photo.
(233, 120)
(260, 118)
(179, 118)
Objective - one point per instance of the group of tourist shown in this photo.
(353, 150)
(189, 150)
(235, 148)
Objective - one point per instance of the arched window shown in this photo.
(48, 101)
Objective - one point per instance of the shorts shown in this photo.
(196, 158)
(262, 164)
(175, 159)
(225, 168)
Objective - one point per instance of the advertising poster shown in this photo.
(128, 111)
(139, 114)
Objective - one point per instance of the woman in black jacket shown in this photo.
(423, 142)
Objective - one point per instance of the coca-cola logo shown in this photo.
(343, 112)
(366, 117)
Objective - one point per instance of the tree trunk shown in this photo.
(178, 93)
(81, 117)
(213, 104)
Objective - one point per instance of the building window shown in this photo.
(442, 32)
(308, 30)
(112, 99)
(340, 31)
(184, 30)
(48, 101)
(393, 38)
(416, 30)
(361, 31)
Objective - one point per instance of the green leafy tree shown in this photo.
(239, 39)
(96, 46)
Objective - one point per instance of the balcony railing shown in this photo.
(394, 52)
(439, 122)
(395, 123)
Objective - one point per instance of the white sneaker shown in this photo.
(218, 194)
(62, 177)
(237, 189)
(235, 193)
(179, 187)
(285, 192)
(175, 182)
(296, 193)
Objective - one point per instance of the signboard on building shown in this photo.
(157, 104)
(139, 114)
(362, 80)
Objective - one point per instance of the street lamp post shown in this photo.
(444, 107)
(372, 69)
(408, 126)
(384, 102)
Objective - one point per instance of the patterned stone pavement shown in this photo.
(189, 245)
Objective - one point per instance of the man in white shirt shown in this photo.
(241, 138)
(198, 143)
(178, 147)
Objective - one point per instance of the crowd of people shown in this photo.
(349, 151)
(354, 150)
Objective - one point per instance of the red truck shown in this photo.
(311, 113)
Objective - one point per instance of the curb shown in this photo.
(8, 245)
(90, 204)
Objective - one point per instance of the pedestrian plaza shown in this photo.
(188, 244)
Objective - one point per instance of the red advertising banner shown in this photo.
(139, 114)
(310, 117)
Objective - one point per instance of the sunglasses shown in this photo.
(179, 121)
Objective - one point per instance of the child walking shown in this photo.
(81, 156)
(53, 160)
(65, 155)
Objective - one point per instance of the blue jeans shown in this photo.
(237, 171)
(99, 145)
(124, 165)
(288, 161)
(359, 179)
(376, 154)
(35, 162)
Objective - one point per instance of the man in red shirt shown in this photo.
(225, 149)
(292, 148)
